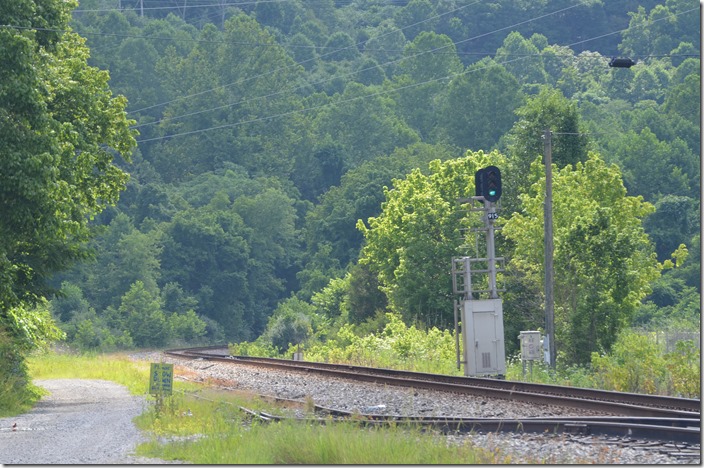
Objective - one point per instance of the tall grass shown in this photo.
(116, 368)
(227, 439)
(209, 428)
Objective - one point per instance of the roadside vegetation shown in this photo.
(640, 361)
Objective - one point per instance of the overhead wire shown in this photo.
(302, 62)
(284, 91)
(220, 4)
(338, 76)
(366, 69)
(264, 118)
(521, 56)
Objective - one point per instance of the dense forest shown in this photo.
(298, 163)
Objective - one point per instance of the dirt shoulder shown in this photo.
(80, 422)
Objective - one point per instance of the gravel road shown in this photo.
(80, 422)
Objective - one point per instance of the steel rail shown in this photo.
(685, 431)
(628, 404)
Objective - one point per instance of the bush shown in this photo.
(635, 365)
(684, 365)
(638, 363)
(396, 346)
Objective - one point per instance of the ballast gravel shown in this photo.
(367, 397)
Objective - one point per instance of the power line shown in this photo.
(360, 43)
(521, 56)
(328, 104)
(337, 76)
(183, 7)
(352, 73)
(303, 62)
(387, 63)
(261, 119)
(221, 5)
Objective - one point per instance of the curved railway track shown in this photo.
(629, 414)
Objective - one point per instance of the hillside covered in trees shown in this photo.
(298, 162)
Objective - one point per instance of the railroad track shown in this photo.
(629, 415)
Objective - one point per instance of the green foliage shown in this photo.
(290, 325)
(253, 169)
(684, 366)
(639, 364)
(32, 328)
(670, 165)
(410, 244)
(479, 107)
(332, 242)
(61, 130)
(22, 330)
(61, 133)
(396, 346)
(635, 365)
(16, 393)
(604, 261)
(548, 110)
(673, 224)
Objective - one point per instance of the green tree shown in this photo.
(364, 298)
(684, 98)
(140, 313)
(650, 33)
(430, 57)
(303, 51)
(673, 223)
(277, 14)
(291, 324)
(653, 168)
(479, 106)
(124, 255)
(332, 241)
(235, 114)
(205, 251)
(364, 123)
(61, 131)
(429, 63)
(411, 243)
(386, 45)
(414, 17)
(547, 110)
(340, 46)
(522, 59)
(604, 261)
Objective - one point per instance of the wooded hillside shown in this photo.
(267, 129)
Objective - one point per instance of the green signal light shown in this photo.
(492, 192)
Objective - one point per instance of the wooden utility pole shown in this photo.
(549, 248)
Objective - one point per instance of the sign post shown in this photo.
(161, 378)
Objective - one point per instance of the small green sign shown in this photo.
(161, 378)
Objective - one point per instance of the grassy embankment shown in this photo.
(204, 426)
